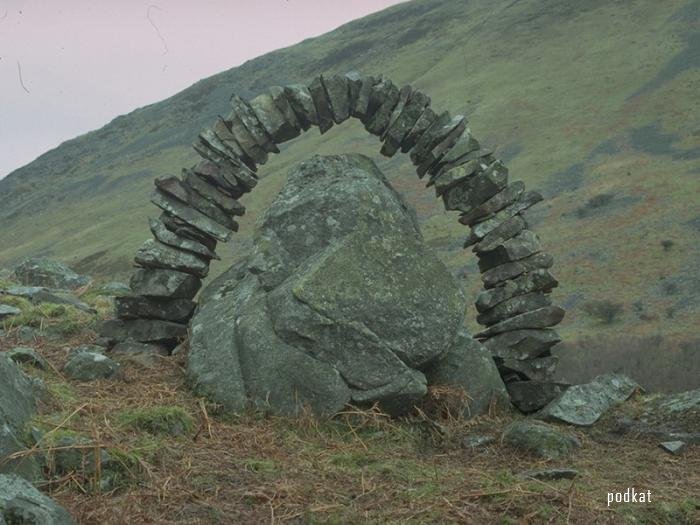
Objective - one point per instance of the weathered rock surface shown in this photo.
(29, 356)
(155, 254)
(48, 273)
(503, 272)
(583, 405)
(539, 439)
(143, 330)
(140, 307)
(39, 294)
(8, 311)
(165, 283)
(22, 504)
(89, 366)
(538, 280)
(514, 306)
(539, 318)
(340, 301)
(522, 344)
(671, 417)
(530, 396)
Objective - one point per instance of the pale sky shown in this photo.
(84, 62)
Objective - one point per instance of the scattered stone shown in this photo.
(89, 366)
(338, 93)
(550, 474)
(472, 443)
(539, 439)
(48, 273)
(143, 354)
(275, 123)
(322, 105)
(673, 447)
(8, 311)
(530, 396)
(583, 405)
(539, 280)
(22, 504)
(154, 254)
(165, 236)
(190, 216)
(540, 318)
(165, 283)
(499, 274)
(512, 307)
(138, 307)
(28, 356)
(143, 330)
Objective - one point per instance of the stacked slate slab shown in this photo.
(200, 206)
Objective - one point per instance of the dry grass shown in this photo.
(360, 467)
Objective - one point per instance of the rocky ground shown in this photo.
(167, 456)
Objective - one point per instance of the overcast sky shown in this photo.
(70, 66)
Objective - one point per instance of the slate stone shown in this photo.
(273, 120)
(143, 354)
(540, 440)
(525, 201)
(448, 179)
(190, 216)
(514, 306)
(540, 318)
(284, 106)
(51, 274)
(361, 107)
(673, 447)
(89, 366)
(115, 288)
(524, 244)
(400, 125)
(434, 133)
(441, 144)
(236, 178)
(539, 369)
(154, 254)
(246, 114)
(475, 190)
(499, 274)
(214, 174)
(143, 330)
(502, 199)
(72, 456)
(22, 504)
(27, 334)
(302, 104)
(354, 80)
(405, 94)
(535, 281)
(338, 92)
(522, 344)
(209, 191)
(383, 100)
(247, 141)
(322, 105)
(39, 294)
(222, 131)
(550, 474)
(8, 311)
(176, 188)
(466, 148)
(139, 307)
(26, 356)
(503, 232)
(183, 229)
(165, 236)
(470, 366)
(424, 122)
(210, 146)
(583, 405)
(164, 283)
(530, 396)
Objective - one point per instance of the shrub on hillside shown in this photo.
(607, 312)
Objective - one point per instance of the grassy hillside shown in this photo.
(594, 103)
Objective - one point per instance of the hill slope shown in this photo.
(594, 103)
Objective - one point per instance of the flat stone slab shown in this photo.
(89, 366)
(529, 396)
(153, 282)
(673, 447)
(540, 318)
(522, 344)
(583, 405)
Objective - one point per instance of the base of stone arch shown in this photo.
(200, 206)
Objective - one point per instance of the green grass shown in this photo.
(157, 420)
(572, 90)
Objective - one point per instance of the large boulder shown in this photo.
(22, 504)
(339, 302)
(49, 273)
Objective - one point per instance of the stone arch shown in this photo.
(199, 210)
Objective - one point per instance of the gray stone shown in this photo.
(165, 236)
(246, 114)
(465, 147)
(672, 417)
(284, 106)
(525, 201)
(302, 104)
(272, 119)
(448, 179)
(89, 366)
(155, 254)
(95, 349)
(673, 447)
(218, 175)
(424, 122)
(473, 191)
(142, 354)
(175, 188)
(433, 134)
(469, 365)
(530, 396)
(361, 106)
(550, 474)
(539, 440)
(540, 318)
(143, 330)
(8, 311)
(28, 356)
(400, 125)
(523, 245)
(139, 307)
(190, 216)
(508, 229)
(183, 229)
(535, 281)
(338, 93)
(441, 144)
(472, 443)
(222, 133)
(211, 147)
(501, 200)
(244, 138)
(115, 288)
(164, 283)
(48, 273)
(354, 80)
(38, 294)
(512, 307)
(383, 100)
(211, 192)
(504, 272)
(583, 405)
(22, 504)
(322, 105)
(340, 300)
(27, 334)
(76, 454)
(538, 369)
